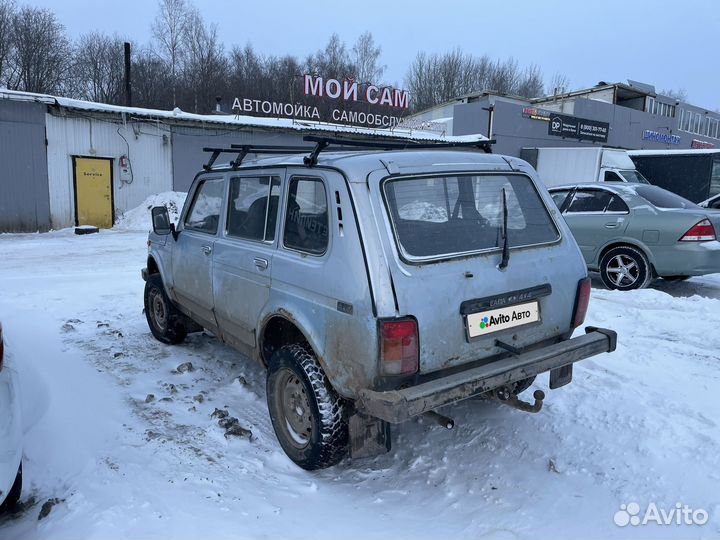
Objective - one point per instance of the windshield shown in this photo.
(631, 175)
(450, 215)
(662, 198)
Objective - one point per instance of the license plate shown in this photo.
(494, 320)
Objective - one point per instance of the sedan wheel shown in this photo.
(624, 268)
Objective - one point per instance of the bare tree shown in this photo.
(41, 53)
(438, 78)
(169, 30)
(332, 62)
(98, 68)
(7, 12)
(680, 94)
(246, 72)
(530, 84)
(559, 84)
(366, 57)
(205, 64)
(151, 81)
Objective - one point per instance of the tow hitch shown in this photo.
(504, 396)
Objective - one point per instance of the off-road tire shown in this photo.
(295, 367)
(166, 322)
(13, 495)
(625, 256)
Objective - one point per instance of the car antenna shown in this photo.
(506, 248)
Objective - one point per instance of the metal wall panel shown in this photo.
(24, 201)
(187, 144)
(148, 146)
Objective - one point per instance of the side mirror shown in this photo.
(161, 221)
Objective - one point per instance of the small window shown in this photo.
(611, 176)
(252, 211)
(617, 205)
(306, 216)
(650, 103)
(559, 197)
(681, 119)
(204, 213)
(589, 201)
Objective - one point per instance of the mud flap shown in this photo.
(560, 376)
(369, 436)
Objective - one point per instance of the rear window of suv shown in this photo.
(442, 216)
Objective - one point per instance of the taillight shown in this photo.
(399, 347)
(582, 299)
(2, 349)
(700, 232)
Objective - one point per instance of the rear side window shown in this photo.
(253, 207)
(589, 201)
(559, 197)
(451, 215)
(663, 199)
(204, 214)
(306, 217)
(617, 205)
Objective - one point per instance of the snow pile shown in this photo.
(139, 219)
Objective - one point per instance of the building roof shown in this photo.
(285, 124)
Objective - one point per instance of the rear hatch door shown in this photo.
(444, 238)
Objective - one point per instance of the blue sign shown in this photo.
(664, 138)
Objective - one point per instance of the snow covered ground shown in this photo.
(636, 426)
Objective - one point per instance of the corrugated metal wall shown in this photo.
(24, 203)
(187, 144)
(148, 146)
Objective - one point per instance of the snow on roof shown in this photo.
(248, 121)
(686, 151)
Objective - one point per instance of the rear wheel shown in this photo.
(166, 322)
(307, 414)
(624, 268)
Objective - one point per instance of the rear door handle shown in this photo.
(613, 225)
(261, 263)
(206, 249)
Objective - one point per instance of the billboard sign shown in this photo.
(336, 101)
(583, 129)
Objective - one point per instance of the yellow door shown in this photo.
(93, 192)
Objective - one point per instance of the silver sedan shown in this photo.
(632, 233)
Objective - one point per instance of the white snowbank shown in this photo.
(639, 425)
(139, 219)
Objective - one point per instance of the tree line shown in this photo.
(186, 65)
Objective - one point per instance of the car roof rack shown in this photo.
(321, 143)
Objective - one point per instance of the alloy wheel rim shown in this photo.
(623, 270)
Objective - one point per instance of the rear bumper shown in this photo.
(688, 259)
(396, 406)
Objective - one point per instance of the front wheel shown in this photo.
(307, 414)
(624, 268)
(166, 322)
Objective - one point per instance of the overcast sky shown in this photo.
(669, 44)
